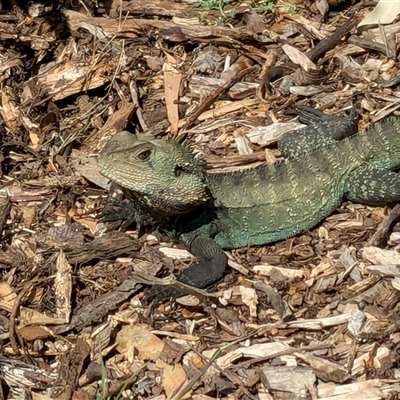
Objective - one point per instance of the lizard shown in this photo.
(322, 129)
(209, 212)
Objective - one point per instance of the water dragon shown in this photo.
(325, 163)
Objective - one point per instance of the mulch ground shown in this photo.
(312, 317)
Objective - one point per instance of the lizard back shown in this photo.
(277, 201)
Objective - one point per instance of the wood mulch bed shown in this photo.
(312, 317)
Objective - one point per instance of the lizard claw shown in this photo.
(120, 211)
(116, 210)
(159, 293)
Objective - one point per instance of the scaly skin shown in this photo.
(257, 206)
(322, 129)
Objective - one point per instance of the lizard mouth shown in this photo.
(174, 201)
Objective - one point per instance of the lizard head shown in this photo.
(163, 172)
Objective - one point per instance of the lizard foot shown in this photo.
(120, 210)
(159, 293)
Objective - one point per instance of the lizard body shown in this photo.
(255, 206)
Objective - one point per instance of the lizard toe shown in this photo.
(159, 293)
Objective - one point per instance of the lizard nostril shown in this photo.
(178, 171)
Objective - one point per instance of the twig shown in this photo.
(191, 119)
(13, 316)
(218, 353)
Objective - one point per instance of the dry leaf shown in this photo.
(148, 345)
(385, 12)
(249, 297)
(173, 377)
(7, 297)
(298, 57)
(375, 255)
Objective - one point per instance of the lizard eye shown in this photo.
(144, 155)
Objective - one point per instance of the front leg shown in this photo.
(210, 267)
(117, 210)
(211, 261)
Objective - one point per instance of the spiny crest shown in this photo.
(184, 144)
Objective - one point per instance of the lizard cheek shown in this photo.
(194, 195)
